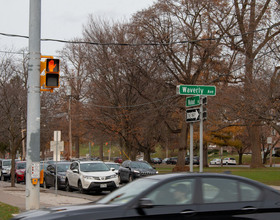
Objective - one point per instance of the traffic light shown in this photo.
(52, 73)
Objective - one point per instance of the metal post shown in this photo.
(56, 152)
(201, 140)
(33, 104)
(191, 147)
(69, 94)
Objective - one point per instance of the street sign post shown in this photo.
(196, 90)
(196, 114)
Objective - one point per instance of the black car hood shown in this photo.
(65, 212)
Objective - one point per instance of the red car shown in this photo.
(20, 171)
(118, 160)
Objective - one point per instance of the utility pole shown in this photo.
(32, 192)
(69, 94)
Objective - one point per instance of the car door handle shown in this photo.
(188, 212)
(250, 208)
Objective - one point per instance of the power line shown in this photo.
(142, 44)
(133, 106)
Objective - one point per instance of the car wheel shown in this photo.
(68, 187)
(80, 187)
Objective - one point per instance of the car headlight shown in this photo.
(136, 171)
(156, 172)
(91, 178)
(112, 176)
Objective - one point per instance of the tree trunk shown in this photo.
(254, 135)
(265, 156)
(101, 151)
(147, 154)
(240, 155)
(180, 166)
(12, 172)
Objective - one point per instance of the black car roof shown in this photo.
(178, 175)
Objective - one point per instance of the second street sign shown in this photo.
(192, 101)
(196, 90)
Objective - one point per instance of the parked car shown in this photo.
(229, 161)
(5, 169)
(215, 161)
(195, 160)
(114, 165)
(131, 170)
(88, 176)
(207, 196)
(118, 160)
(165, 160)
(50, 174)
(172, 160)
(156, 160)
(20, 171)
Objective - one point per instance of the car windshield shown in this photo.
(128, 192)
(21, 165)
(7, 163)
(140, 165)
(62, 167)
(112, 165)
(43, 165)
(94, 167)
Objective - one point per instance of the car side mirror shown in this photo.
(75, 171)
(112, 169)
(145, 203)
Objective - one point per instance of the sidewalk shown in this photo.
(15, 196)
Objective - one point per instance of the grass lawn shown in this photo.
(268, 175)
(6, 211)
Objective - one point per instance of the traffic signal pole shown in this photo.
(33, 108)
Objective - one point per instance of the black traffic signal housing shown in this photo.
(52, 73)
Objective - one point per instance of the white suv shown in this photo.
(229, 161)
(90, 176)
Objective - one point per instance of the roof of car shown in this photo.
(109, 162)
(90, 161)
(178, 175)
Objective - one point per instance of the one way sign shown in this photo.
(193, 115)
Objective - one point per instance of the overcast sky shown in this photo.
(61, 19)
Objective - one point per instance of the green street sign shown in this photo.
(196, 90)
(192, 101)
